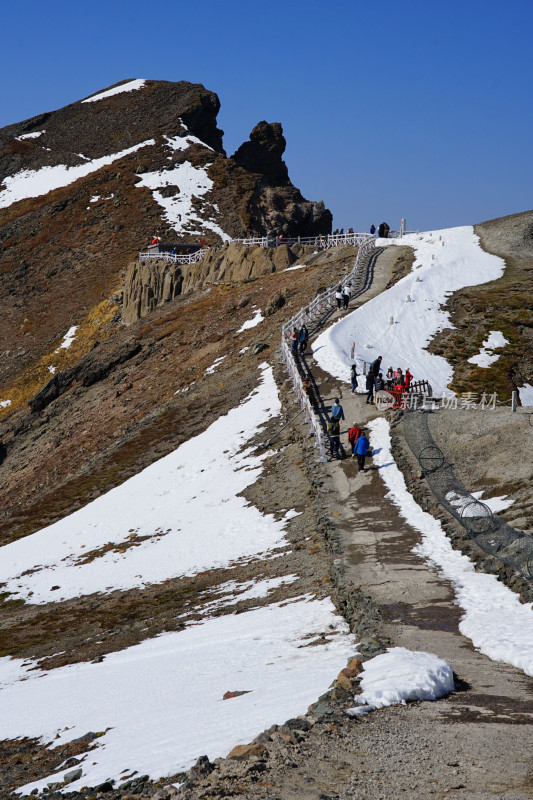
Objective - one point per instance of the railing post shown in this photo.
(513, 401)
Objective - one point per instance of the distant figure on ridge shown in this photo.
(372, 229)
(303, 338)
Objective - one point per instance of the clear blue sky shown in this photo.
(390, 109)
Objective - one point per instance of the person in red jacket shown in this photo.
(353, 434)
(408, 379)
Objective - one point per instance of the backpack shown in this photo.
(334, 428)
(336, 413)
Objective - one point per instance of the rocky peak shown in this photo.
(263, 153)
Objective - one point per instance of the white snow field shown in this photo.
(125, 87)
(187, 503)
(399, 676)
(445, 261)
(486, 356)
(34, 183)
(160, 702)
(192, 182)
(493, 618)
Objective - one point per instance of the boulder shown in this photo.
(244, 751)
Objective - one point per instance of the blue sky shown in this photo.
(391, 109)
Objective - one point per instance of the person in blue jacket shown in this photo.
(360, 450)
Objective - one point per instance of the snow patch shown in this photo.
(251, 323)
(495, 504)
(400, 676)
(297, 266)
(214, 365)
(486, 355)
(5, 403)
(192, 182)
(33, 135)
(68, 338)
(188, 504)
(160, 702)
(125, 87)
(525, 393)
(34, 183)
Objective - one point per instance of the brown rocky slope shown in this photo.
(62, 253)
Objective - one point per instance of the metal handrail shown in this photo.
(322, 302)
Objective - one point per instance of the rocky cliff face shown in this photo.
(148, 284)
(84, 188)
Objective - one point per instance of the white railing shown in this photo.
(189, 258)
(322, 302)
(320, 242)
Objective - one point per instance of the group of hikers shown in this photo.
(376, 382)
(358, 441)
(383, 230)
(341, 232)
(342, 296)
(299, 339)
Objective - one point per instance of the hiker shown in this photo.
(353, 435)
(353, 377)
(334, 433)
(308, 389)
(303, 338)
(390, 378)
(346, 296)
(155, 240)
(337, 411)
(361, 448)
(370, 387)
(400, 380)
(338, 297)
(294, 342)
(379, 383)
(408, 379)
(376, 365)
(373, 229)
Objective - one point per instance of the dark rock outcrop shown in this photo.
(91, 369)
(263, 153)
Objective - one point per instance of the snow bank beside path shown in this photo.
(399, 676)
(34, 183)
(445, 261)
(494, 619)
(160, 702)
(186, 504)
